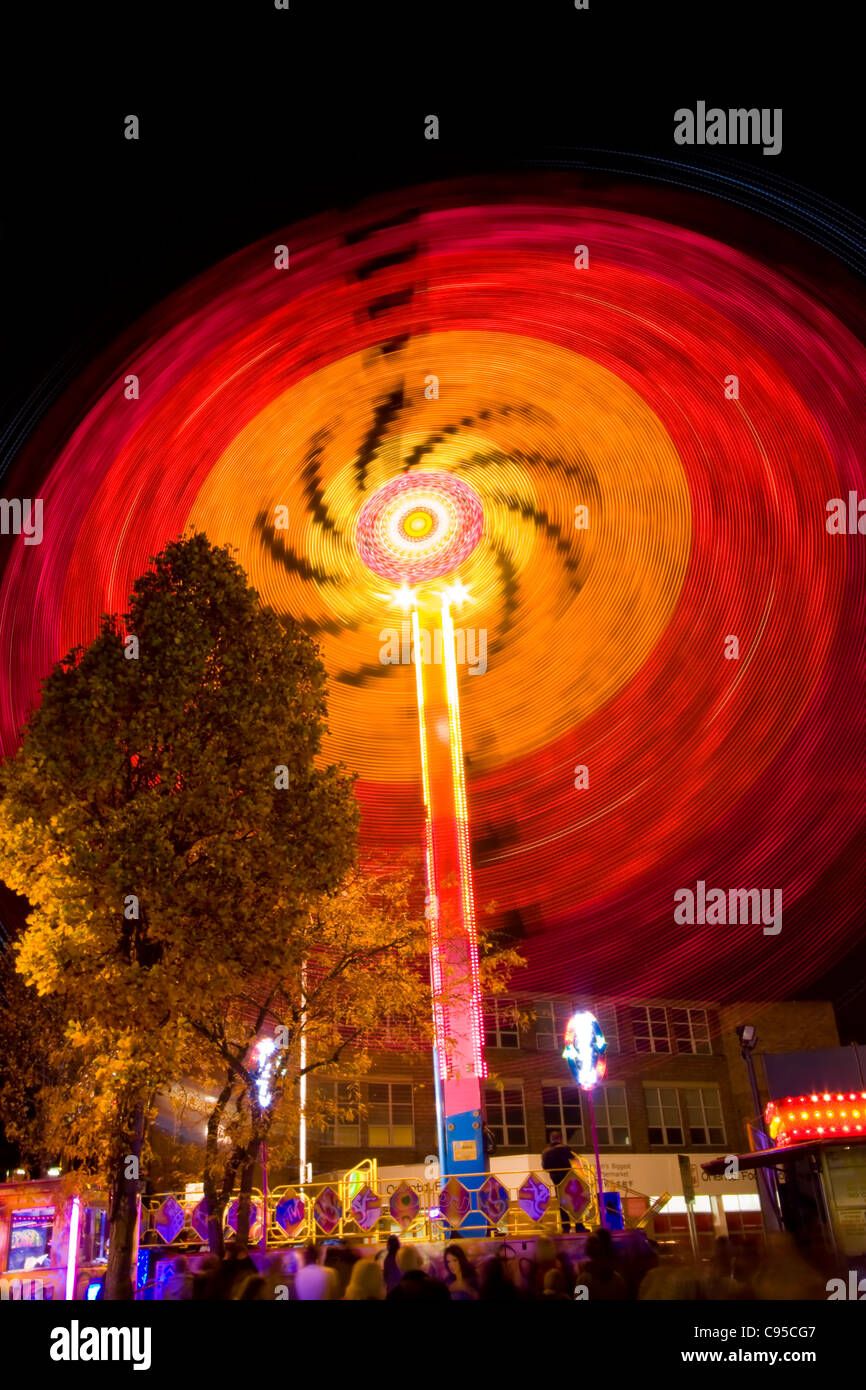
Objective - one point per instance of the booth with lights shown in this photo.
(819, 1162)
(53, 1242)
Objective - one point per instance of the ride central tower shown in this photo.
(415, 531)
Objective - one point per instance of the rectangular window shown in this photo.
(611, 1115)
(691, 1030)
(390, 1117)
(704, 1115)
(94, 1236)
(663, 1114)
(551, 1020)
(30, 1236)
(500, 1024)
(607, 1017)
(345, 1114)
(562, 1111)
(546, 1039)
(650, 1029)
(506, 1117)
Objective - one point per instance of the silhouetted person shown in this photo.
(313, 1282)
(597, 1274)
(556, 1160)
(390, 1268)
(496, 1287)
(179, 1284)
(205, 1278)
(416, 1285)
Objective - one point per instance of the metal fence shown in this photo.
(360, 1206)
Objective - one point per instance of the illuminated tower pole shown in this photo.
(451, 910)
(415, 531)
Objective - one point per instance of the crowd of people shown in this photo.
(741, 1269)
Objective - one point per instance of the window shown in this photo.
(606, 1015)
(691, 1030)
(390, 1119)
(611, 1115)
(30, 1239)
(546, 1038)
(704, 1115)
(346, 1119)
(701, 1106)
(663, 1114)
(506, 1117)
(650, 1029)
(562, 1111)
(500, 1024)
(551, 1018)
(94, 1236)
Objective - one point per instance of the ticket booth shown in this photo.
(821, 1184)
(53, 1243)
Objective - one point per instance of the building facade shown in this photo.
(676, 1085)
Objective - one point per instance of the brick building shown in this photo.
(676, 1084)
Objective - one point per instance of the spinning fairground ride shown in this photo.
(576, 448)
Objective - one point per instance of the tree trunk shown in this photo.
(244, 1196)
(215, 1209)
(123, 1217)
(216, 1204)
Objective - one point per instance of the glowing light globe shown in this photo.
(585, 1049)
(419, 526)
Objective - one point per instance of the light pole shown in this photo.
(747, 1034)
(584, 1051)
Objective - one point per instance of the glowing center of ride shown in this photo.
(419, 523)
(419, 526)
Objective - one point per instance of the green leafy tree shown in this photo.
(170, 824)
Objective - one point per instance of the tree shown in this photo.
(169, 823)
(357, 968)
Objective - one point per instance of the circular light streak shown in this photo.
(614, 753)
(419, 527)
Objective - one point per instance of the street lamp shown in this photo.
(747, 1034)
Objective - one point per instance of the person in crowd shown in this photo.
(253, 1288)
(459, 1274)
(416, 1284)
(718, 1279)
(280, 1278)
(545, 1259)
(569, 1273)
(556, 1161)
(603, 1283)
(745, 1259)
(496, 1286)
(235, 1267)
(555, 1288)
(367, 1283)
(314, 1282)
(205, 1277)
(179, 1283)
(783, 1274)
(391, 1269)
(672, 1278)
(342, 1260)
